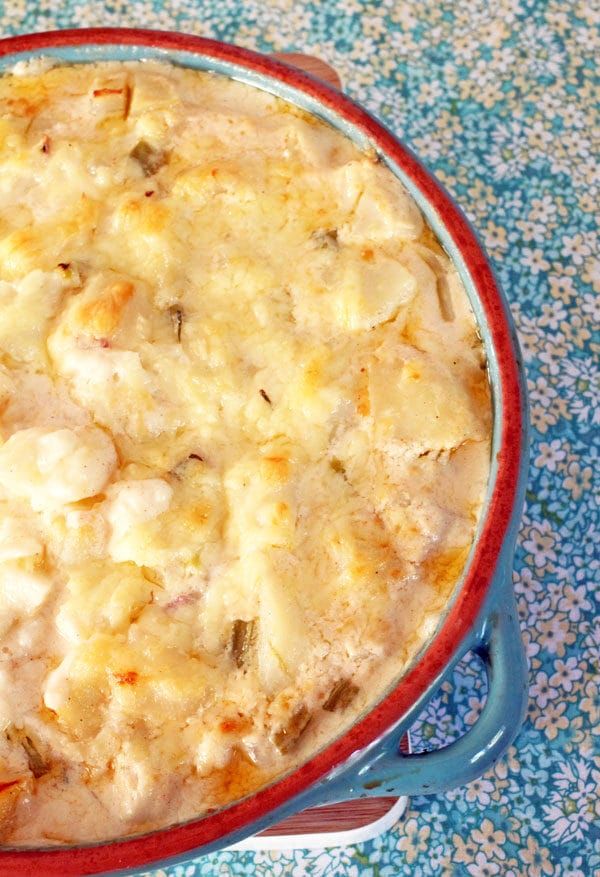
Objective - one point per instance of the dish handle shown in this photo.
(389, 772)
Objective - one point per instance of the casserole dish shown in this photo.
(481, 614)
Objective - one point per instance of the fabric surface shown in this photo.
(498, 100)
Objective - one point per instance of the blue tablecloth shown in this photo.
(498, 100)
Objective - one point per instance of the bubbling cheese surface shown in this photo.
(245, 427)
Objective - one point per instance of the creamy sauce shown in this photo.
(245, 429)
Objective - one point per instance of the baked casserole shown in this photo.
(245, 423)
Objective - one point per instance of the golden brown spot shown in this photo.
(367, 254)
(236, 779)
(363, 400)
(88, 502)
(275, 469)
(313, 373)
(18, 106)
(282, 513)
(412, 371)
(197, 515)
(443, 569)
(235, 725)
(143, 215)
(152, 576)
(21, 252)
(130, 677)
(102, 315)
(479, 390)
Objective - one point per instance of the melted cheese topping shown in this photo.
(245, 431)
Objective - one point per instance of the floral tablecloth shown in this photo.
(498, 99)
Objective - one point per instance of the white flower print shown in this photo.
(576, 247)
(569, 812)
(536, 858)
(540, 610)
(480, 791)
(590, 304)
(539, 135)
(542, 392)
(542, 209)
(566, 673)
(490, 839)
(574, 602)
(510, 153)
(590, 703)
(527, 584)
(475, 707)
(552, 720)
(540, 543)
(578, 479)
(551, 454)
(534, 260)
(414, 839)
(335, 860)
(553, 313)
(554, 635)
(542, 690)
(483, 867)
(571, 867)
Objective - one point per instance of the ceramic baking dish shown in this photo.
(481, 615)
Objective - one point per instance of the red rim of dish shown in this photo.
(174, 841)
